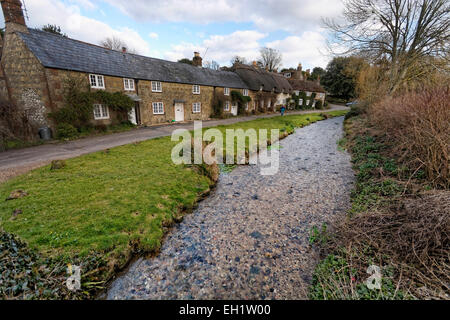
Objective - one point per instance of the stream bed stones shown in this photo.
(250, 238)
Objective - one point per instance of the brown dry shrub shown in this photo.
(413, 236)
(417, 126)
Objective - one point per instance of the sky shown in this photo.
(218, 29)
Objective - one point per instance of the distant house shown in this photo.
(299, 84)
(267, 89)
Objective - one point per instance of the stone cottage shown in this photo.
(35, 64)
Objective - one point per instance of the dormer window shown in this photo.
(196, 89)
(261, 88)
(97, 81)
(128, 84)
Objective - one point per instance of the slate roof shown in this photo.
(305, 85)
(58, 52)
(256, 77)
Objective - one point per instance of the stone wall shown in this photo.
(172, 92)
(25, 79)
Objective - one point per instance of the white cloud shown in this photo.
(268, 15)
(153, 35)
(221, 48)
(310, 49)
(86, 4)
(77, 26)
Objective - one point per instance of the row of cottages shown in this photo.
(35, 66)
(298, 82)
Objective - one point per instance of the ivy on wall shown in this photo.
(242, 100)
(79, 101)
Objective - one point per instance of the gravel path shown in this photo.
(249, 239)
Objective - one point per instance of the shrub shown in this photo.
(319, 104)
(66, 131)
(417, 126)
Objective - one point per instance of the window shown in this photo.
(97, 81)
(128, 84)
(101, 112)
(158, 108)
(196, 107)
(226, 91)
(246, 106)
(245, 92)
(196, 89)
(308, 94)
(227, 106)
(156, 86)
(287, 75)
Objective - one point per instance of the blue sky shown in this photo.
(173, 29)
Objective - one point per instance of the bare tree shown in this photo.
(116, 44)
(405, 35)
(212, 65)
(270, 59)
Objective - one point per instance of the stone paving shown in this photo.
(250, 238)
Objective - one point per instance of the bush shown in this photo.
(417, 126)
(319, 104)
(66, 131)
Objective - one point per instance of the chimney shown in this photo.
(124, 50)
(299, 68)
(197, 61)
(14, 19)
(255, 64)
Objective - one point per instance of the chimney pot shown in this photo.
(124, 49)
(197, 61)
(13, 14)
(255, 64)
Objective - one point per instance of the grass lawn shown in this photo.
(112, 203)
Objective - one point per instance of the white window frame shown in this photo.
(308, 94)
(159, 107)
(156, 86)
(227, 106)
(197, 107)
(226, 91)
(128, 84)
(288, 75)
(95, 79)
(245, 92)
(102, 113)
(194, 89)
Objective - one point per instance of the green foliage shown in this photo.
(316, 73)
(66, 131)
(186, 61)
(318, 236)
(238, 97)
(334, 279)
(319, 104)
(341, 76)
(79, 101)
(311, 100)
(53, 28)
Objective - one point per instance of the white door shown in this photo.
(132, 116)
(234, 109)
(179, 112)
